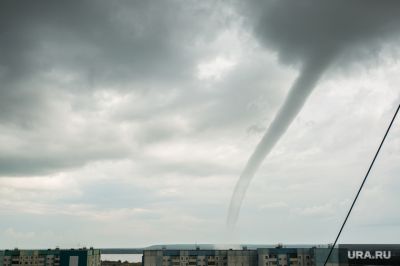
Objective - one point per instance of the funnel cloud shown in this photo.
(295, 100)
(313, 34)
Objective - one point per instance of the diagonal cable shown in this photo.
(362, 184)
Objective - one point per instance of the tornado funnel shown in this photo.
(297, 96)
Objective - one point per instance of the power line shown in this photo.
(362, 184)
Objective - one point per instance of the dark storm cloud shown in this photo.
(54, 56)
(101, 42)
(299, 30)
(312, 34)
(58, 55)
(98, 35)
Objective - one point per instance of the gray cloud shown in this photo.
(99, 43)
(300, 30)
(56, 57)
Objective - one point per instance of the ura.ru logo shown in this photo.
(377, 254)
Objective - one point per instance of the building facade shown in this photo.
(50, 257)
(257, 257)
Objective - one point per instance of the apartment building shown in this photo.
(244, 257)
(285, 257)
(50, 257)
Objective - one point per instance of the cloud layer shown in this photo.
(133, 116)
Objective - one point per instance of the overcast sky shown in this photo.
(128, 123)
